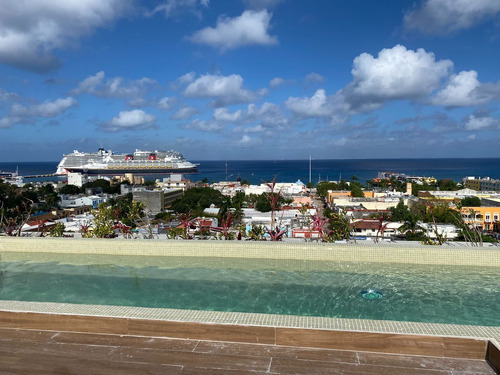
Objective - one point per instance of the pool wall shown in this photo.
(352, 252)
(352, 334)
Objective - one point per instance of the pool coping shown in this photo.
(345, 252)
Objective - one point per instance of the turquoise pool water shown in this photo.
(437, 294)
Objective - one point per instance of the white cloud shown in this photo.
(175, 8)
(463, 89)
(315, 78)
(6, 96)
(476, 122)
(316, 106)
(268, 116)
(48, 109)
(130, 120)
(187, 78)
(167, 103)
(246, 140)
(435, 17)
(184, 113)
(275, 82)
(30, 30)
(251, 28)
(116, 87)
(223, 114)
(225, 89)
(205, 126)
(396, 74)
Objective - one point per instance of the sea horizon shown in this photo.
(291, 170)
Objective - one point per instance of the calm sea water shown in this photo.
(257, 171)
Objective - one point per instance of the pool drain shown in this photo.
(371, 294)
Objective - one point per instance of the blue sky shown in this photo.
(250, 79)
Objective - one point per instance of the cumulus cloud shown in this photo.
(275, 82)
(116, 87)
(251, 28)
(130, 120)
(315, 78)
(478, 122)
(167, 103)
(184, 113)
(48, 109)
(247, 140)
(7, 96)
(315, 106)
(396, 74)
(435, 17)
(205, 126)
(267, 116)
(176, 8)
(462, 90)
(224, 115)
(224, 89)
(30, 30)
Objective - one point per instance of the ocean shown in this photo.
(258, 171)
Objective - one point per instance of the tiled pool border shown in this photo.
(350, 252)
(387, 253)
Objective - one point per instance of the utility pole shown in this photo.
(310, 169)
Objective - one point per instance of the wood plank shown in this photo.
(361, 341)
(59, 322)
(493, 356)
(457, 347)
(395, 360)
(299, 367)
(330, 355)
(49, 364)
(202, 331)
(132, 355)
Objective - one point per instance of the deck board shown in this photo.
(24, 351)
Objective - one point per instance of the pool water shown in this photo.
(437, 294)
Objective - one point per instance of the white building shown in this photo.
(72, 201)
(174, 181)
(77, 179)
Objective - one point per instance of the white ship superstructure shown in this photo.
(106, 162)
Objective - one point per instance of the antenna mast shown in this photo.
(310, 169)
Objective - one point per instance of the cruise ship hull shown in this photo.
(120, 171)
(143, 162)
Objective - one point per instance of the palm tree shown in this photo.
(411, 225)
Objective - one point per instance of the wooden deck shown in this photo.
(34, 351)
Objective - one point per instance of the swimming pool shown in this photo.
(411, 292)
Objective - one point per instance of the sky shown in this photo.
(250, 79)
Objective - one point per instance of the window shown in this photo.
(495, 216)
(487, 217)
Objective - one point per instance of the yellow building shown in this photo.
(486, 218)
(332, 194)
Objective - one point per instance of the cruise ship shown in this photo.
(107, 163)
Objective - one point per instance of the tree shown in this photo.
(196, 199)
(338, 225)
(447, 185)
(103, 222)
(356, 190)
(471, 202)
(104, 184)
(70, 189)
(412, 228)
(400, 212)
(16, 207)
